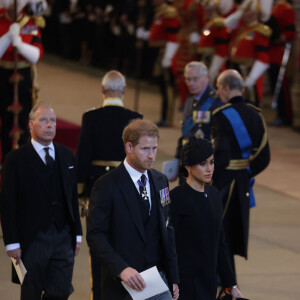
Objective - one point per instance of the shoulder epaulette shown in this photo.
(218, 22)
(254, 107)
(167, 11)
(221, 108)
(39, 21)
(263, 29)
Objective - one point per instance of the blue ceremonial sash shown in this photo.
(189, 124)
(244, 141)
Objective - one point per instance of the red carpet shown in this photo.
(67, 134)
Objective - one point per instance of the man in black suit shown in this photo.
(100, 148)
(39, 210)
(130, 229)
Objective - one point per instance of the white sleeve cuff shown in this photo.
(78, 238)
(14, 246)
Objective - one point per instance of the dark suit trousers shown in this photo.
(49, 261)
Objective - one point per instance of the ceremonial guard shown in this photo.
(215, 36)
(280, 59)
(163, 35)
(100, 149)
(23, 34)
(241, 152)
(249, 44)
(191, 18)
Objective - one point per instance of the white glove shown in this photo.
(31, 53)
(233, 19)
(215, 66)
(14, 30)
(194, 37)
(257, 70)
(142, 33)
(170, 51)
(5, 41)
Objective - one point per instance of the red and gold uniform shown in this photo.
(163, 35)
(191, 16)
(214, 39)
(285, 17)
(165, 26)
(250, 43)
(215, 36)
(30, 34)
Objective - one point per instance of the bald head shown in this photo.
(113, 84)
(230, 84)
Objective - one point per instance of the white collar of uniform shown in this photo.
(133, 173)
(113, 102)
(39, 148)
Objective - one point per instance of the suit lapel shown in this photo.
(35, 165)
(129, 194)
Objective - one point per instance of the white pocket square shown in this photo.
(71, 167)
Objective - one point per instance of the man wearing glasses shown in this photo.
(198, 108)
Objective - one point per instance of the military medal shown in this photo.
(144, 191)
(164, 196)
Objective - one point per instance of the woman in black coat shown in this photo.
(196, 211)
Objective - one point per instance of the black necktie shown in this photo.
(143, 192)
(49, 159)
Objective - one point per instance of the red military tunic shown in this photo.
(29, 32)
(191, 17)
(285, 16)
(214, 39)
(250, 42)
(165, 26)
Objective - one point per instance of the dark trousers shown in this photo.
(49, 261)
(96, 276)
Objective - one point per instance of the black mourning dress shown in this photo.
(200, 245)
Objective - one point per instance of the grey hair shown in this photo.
(198, 64)
(113, 81)
(232, 79)
(32, 114)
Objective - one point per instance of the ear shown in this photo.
(188, 168)
(128, 147)
(30, 124)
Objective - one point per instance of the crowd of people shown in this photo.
(134, 222)
(154, 40)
